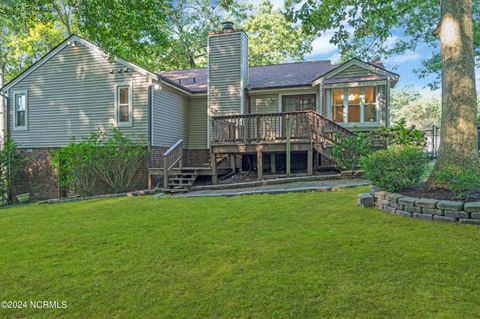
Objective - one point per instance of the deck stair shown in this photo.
(181, 179)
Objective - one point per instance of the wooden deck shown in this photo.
(259, 134)
(272, 133)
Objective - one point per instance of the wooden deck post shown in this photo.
(288, 146)
(273, 166)
(232, 163)
(315, 160)
(309, 162)
(149, 180)
(260, 164)
(213, 162)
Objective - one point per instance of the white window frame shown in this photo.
(15, 126)
(128, 123)
(362, 106)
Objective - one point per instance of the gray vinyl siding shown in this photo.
(197, 123)
(73, 94)
(265, 103)
(169, 114)
(353, 71)
(228, 73)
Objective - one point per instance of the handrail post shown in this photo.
(288, 147)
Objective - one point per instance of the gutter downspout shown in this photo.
(4, 118)
(150, 114)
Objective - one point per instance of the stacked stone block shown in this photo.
(423, 208)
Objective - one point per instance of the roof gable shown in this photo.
(353, 68)
(72, 40)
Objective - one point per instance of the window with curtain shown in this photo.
(337, 104)
(294, 103)
(354, 104)
(370, 107)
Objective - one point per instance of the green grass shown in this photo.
(308, 255)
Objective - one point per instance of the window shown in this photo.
(21, 116)
(123, 107)
(370, 107)
(354, 105)
(294, 103)
(337, 105)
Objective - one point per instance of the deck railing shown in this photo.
(167, 161)
(274, 127)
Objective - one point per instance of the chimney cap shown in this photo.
(227, 26)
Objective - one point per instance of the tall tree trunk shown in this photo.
(458, 136)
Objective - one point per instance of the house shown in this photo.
(209, 120)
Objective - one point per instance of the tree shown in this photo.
(418, 111)
(372, 22)
(189, 23)
(458, 135)
(273, 38)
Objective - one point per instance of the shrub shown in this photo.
(117, 160)
(461, 181)
(74, 165)
(395, 168)
(348, 150)
(114, 160)
(399, 134)
(11, 164)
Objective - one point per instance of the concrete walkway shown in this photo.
(319, 186)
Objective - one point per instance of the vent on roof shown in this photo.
(194, 80)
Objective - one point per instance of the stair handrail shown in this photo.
(324, 128)
(170, 159)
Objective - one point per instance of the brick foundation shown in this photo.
(38, 177)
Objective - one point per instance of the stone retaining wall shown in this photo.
(423, 208)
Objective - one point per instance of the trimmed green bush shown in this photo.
(462, 182)
(348, 150)
(395, 168)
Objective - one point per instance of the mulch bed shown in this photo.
(423, 191)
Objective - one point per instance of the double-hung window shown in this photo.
(20, 101)
(354, 104)
(123, 104)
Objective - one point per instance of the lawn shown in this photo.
(301, 255)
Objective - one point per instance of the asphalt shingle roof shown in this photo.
(260, 77)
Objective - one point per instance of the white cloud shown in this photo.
(322, 46)
(410, 56)
(390, 42)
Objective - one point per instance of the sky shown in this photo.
(403, 64)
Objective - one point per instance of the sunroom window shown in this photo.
(354, 104)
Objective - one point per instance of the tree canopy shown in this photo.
(273, 38)
(373, 30)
